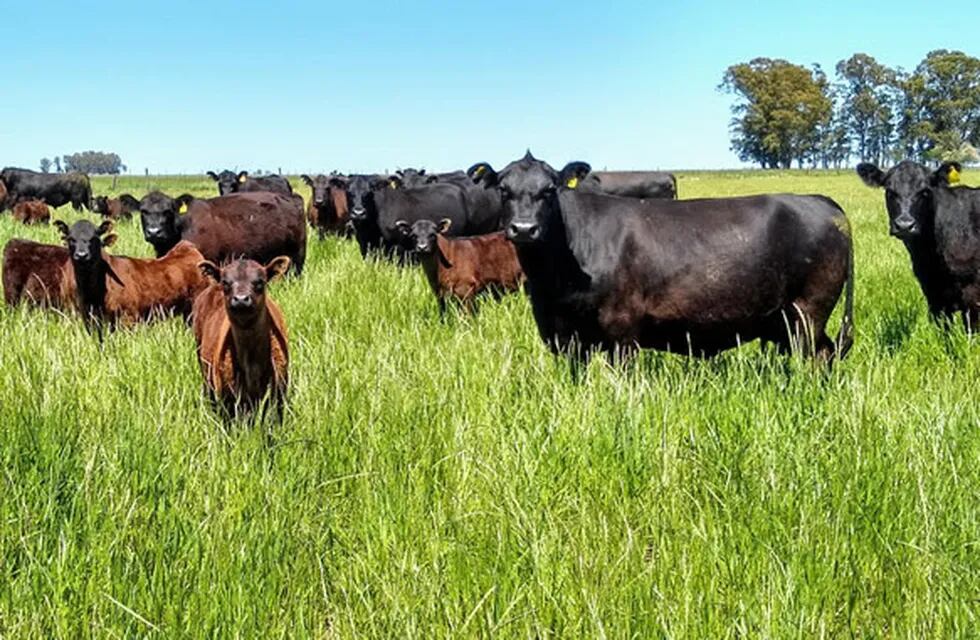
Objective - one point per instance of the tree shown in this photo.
(94, 162)
(45, 165)
(781, 111)
(867, 89)
(57, 164)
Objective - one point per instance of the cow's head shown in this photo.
(421, 235)
(159, 215)
(529, 190)
(411, 178)
(228, 181)
(85, 241)
(243, 284)
(909, 192)
(360, 194)
(320, 187)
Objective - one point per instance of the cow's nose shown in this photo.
(357, 212)
(905, 227)
(523, 231)
(241, 301)
(82, 255)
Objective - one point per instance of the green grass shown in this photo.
(454, 480)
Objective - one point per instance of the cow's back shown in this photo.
(259, 226)
(36, 272)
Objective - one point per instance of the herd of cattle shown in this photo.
(611, 261)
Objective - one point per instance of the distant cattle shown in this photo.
(116, 288)
(418, 177)
(230, 182)
(32, 212)
(327, 211)
(258, 226)
(242, 346)
(463, 268)
(121, 208)
(940, 227)
(34, 273)
(692, 277)
(55, 189)
(625, 184)
(465, 205)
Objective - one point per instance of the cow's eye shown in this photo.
(258, 285)
(924, 193)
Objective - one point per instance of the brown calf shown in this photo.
(241, 336)
(120, 208)
(117, 288)
(32, 212)
(462, 268)
(36, 273)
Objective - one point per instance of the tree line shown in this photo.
(97, 162)
(787, 113)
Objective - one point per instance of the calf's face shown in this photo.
(421, 235)
(909, 193)
(360, 194)
(320, 185)
(85, 241)
(243, 284)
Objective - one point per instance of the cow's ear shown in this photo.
(431, 179)
(871, 174)
(421, 172)
(444, 225)
(129, 201)
(338, 182)
(482, 172)
(104, 228)
(62, 228)
(183, 201)
(242, 176)
(403, 226)
(573, 173)
(276, 268)
(307, 179)
(210, 270)
(213, 175)
(948, 173)
(109, 240)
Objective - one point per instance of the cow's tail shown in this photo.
(845, 337)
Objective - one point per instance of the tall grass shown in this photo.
(452, 479)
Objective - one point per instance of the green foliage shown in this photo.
(782, 106)
(45, 165)
(451, 479)
(867, 105)
(94, 162)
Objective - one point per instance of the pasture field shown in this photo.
(452, 479)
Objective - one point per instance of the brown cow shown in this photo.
(36, 273)
(241, 337)
(117, 288)
(327, 211)
(463, 268)
(32, 212)
(259, 225)
(120, 208)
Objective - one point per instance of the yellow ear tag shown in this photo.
(183, 207)
(392, 184)
(953, 176)
(572, 183)
(479, 171)
(242, 179)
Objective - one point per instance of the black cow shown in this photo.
(625, 184)
(418, 177)
(688, 276)
(54, 189)
(940, 226)
(363, 210)
(231, 182)
(251, 225)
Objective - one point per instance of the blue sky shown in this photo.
(316, 86)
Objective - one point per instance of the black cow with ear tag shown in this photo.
(938, 222)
